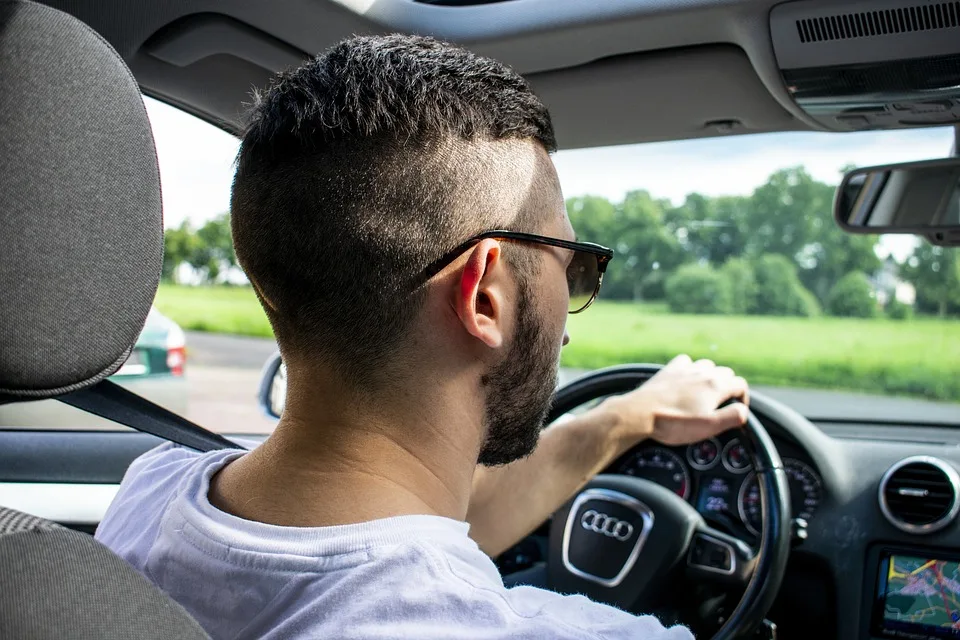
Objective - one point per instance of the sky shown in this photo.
(197, 163)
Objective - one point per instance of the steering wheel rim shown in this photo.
(774, 545)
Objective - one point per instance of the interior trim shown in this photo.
(65, 503)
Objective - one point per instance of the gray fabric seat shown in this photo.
(81, 242)
(58, 583)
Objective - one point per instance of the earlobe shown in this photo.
(479, 299)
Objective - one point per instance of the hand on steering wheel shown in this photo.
(621, 538)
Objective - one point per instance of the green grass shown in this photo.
(214, 309)
(920, 357)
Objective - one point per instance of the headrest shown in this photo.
(81, 231)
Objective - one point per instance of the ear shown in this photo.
(480, 296)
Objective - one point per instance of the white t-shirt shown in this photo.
(408, 577)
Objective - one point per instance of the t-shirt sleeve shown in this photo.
(131, 522)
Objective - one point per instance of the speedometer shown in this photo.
(805, 495)
(659, 465)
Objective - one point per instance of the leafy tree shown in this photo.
(779, 290)
(180, 244)
(712, 229)
(779, 216)
(852, 297)
(698, 289)
(897, 310)
(935, 274)
(833, 254)
(636, 230)
(743, 285)
(215, 248)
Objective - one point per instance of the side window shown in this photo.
(206, 339)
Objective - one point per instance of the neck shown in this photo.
(339, 458)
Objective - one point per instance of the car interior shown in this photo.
(819, 511)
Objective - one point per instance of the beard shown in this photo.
(519, 390)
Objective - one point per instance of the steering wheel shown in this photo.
(621, 539)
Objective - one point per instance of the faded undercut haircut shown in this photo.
(360, 168)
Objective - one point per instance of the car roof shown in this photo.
(611, 72)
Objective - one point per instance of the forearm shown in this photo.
(509, 502)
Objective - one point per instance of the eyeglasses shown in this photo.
(584, 273)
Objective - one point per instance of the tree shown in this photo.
(180, 245)
(698, 289)
(852, 297)
(779, 290)
(635, 228)
(782, 211)
(897, 310)
(215, 248)
(833, 254)
(935, 274)
(711, 229)
(743, 285)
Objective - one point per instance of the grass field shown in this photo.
(920, 357)
(214, 309)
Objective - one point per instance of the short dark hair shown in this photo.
(356, 171)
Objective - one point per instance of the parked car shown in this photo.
(155, 369)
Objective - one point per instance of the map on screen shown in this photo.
(923, 592)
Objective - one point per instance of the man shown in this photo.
(417, 348)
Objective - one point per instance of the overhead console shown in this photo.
(871, 64)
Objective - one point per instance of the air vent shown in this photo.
(919, 494)
(927, 17)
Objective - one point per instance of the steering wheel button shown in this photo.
(604, 535)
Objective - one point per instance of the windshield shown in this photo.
(725, 249)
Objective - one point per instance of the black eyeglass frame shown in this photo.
(604, 254)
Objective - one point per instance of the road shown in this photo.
(224, 375)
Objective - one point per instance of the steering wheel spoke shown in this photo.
(716, 557)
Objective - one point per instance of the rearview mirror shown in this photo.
(273, 387)
(920, 198)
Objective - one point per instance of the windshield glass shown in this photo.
(725, 249)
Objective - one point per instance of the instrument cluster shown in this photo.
(717, 478)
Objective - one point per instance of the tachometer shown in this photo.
(805, 494)
(659, 465)
(704, 454)
(735, 457)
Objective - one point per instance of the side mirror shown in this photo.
(273, 387)
(919, 198)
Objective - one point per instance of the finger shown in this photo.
(745, 397)
(724, 373)
(728, 417)
(704, 363)
(738, 388)
(681, 359)
(702, 428)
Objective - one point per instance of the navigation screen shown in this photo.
(920, 597)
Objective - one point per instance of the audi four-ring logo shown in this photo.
(607, 525)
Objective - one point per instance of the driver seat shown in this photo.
(80, 256)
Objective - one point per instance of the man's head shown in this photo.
(364, 166)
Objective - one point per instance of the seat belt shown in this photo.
(109, 400)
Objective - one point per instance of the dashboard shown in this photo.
(717, 478)
(880, 502)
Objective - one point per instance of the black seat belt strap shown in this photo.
(109, 400)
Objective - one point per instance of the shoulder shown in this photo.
(129, 526)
